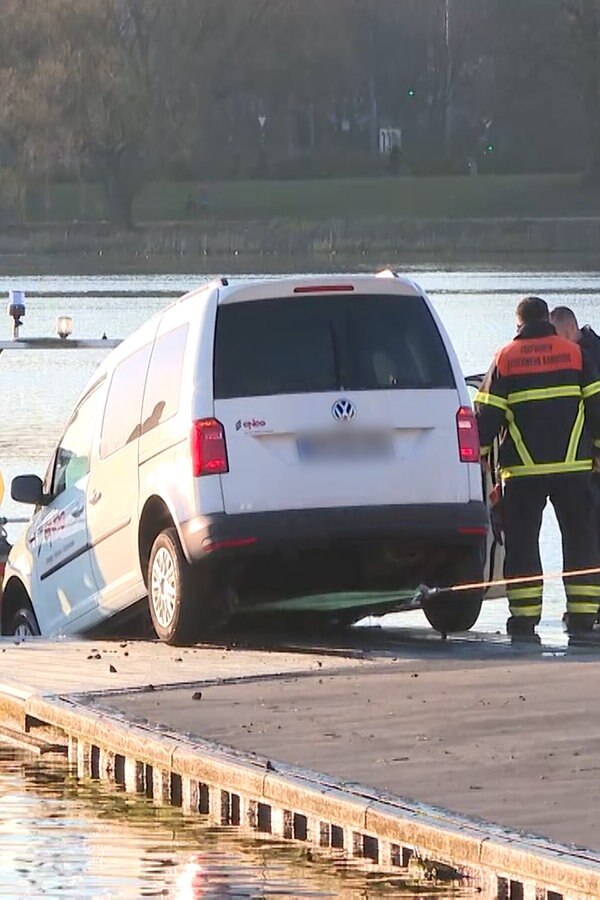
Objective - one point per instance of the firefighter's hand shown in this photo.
(596, 463)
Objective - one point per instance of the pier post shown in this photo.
(190, 796)
(84, 759)
(134, 776)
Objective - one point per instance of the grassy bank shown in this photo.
(545, 196)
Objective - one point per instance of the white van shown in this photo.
(304, 445)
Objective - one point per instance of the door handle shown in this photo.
(78, 511)
(95, 497)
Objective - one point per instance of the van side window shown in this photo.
(163, 385)
(121, 423)
(73, 453)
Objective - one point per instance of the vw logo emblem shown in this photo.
(343, 410)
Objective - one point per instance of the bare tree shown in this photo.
(78, 89)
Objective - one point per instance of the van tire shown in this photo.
(172, 592)
(450, 613)
(453, 613)
(24, 623)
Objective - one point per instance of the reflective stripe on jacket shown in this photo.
(539, 394)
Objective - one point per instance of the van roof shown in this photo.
(240, 289)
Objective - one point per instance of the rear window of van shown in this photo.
(319, 344)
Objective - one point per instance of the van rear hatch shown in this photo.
(334, 400)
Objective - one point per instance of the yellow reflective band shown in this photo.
(517, 439)
(582, 590)
(491, 400)
(551, 393)
(529, 593)
(590, 608)
(590, 390)
(575, 438)
(532, 612)
(597, 442)
(558, 468)
(485, 450)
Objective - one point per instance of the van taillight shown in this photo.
(468, 436)
(209, 451)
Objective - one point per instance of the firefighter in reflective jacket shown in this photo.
(542, 397)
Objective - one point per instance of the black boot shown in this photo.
(522, 628)
(580, 623)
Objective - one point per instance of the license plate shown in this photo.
(345, 447)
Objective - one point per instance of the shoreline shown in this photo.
(363, 239)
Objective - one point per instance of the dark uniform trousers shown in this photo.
(524, 502)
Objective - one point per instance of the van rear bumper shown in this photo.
(247, 533)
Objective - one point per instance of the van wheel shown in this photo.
(24, 623)
(171, 591)
(450, 613)
(183, 611)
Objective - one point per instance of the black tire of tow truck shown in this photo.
(452, 613)
(25, 619)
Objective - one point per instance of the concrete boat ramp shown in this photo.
(403, 752)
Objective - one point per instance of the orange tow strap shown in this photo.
(506, 582)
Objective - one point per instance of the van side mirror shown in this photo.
(29, 489)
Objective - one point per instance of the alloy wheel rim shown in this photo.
(164, 588)
(24, 630)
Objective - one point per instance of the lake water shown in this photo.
(37, 389)
(60, 838)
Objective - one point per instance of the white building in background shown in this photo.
(388, 139)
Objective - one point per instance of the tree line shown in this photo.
(121, 92)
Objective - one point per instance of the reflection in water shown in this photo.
(61, 838)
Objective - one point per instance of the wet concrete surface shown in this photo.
(71, 666)
(476, 725)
